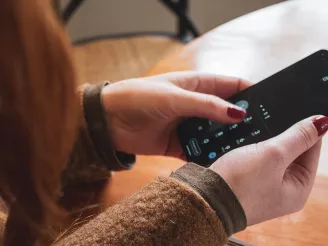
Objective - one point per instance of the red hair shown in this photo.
(37, 116)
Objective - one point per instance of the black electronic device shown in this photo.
(273, 105)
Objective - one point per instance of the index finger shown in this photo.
(207, 83)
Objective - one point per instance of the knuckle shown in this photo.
(211, 101)
(197, 81)
(306, 136)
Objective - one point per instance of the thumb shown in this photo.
(304, 168)
(195, 104)
(300, 137)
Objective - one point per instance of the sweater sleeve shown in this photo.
(168, 211)
(217, 193)
(165, 212)
(93, 156)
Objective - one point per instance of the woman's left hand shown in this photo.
(143, 113)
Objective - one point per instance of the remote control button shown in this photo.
(233, 126)
(255, 133)
(248, 119)
(195, 147)
(206, 141)
(226, 148)
(243, 104)
(219, 134)
(240, 141)
(212, 155)
(188, 150)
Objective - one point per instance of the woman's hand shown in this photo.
(143, 113)
(274, 178)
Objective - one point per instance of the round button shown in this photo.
(243, 104)
(212, 155)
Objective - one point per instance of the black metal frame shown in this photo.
(185, 24)
(186, 29)
(70, 10)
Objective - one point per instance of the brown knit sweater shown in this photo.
(194, 206)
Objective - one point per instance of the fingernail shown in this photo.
(321, 124)
(236, 112)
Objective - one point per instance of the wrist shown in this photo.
(97, 128)
(113, 106)
(217, 193)
(109, 105)
(107, 98)
(242, 197)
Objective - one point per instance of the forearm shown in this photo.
(192, 207)
(165, 212)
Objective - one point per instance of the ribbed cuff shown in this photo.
(217, 193)
(97, 127)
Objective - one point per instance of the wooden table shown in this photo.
(252, 47)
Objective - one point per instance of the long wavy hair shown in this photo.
(37, 117)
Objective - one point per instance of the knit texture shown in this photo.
(165, 212)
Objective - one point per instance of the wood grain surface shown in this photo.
(121, 58)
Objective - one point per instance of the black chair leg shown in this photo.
(70, 9)
(185, 24)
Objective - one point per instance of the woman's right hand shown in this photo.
(274, 178)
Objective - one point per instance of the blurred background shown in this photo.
(110, 39)
(96, 17)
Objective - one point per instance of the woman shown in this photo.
(40, 145)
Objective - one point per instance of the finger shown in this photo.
(194, 104)
(174, 148)
(304, 168)
(207, 83)
(299, 138)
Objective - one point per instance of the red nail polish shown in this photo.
(236, 112)
(321, 124)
